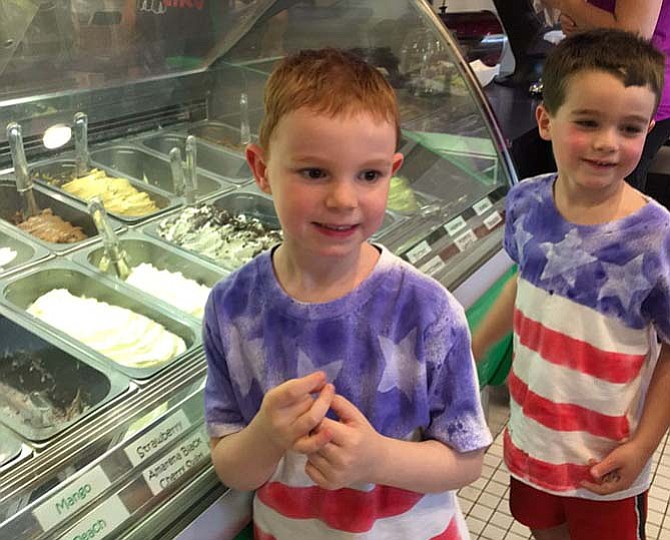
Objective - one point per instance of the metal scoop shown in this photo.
(245, 130)
(191, 163)
(24, 184)
(183, 184)
(115, 256)
(81, 156)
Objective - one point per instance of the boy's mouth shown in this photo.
(600, 163)
(336, 228)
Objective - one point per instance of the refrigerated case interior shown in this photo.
(94, 442)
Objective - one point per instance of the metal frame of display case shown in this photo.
(91, 477)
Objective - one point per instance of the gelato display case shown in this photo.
(102, 367)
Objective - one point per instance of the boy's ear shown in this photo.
(256, 160)
(398, 158)
(651, 125)
(543, 122)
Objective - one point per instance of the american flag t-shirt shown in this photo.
(397, 347)
(592, 303)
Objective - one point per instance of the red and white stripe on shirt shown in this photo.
(292, 507)
(577, 387)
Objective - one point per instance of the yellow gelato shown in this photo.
(401, 196)
(117, 194)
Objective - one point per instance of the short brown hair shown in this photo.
(328, 81)
(630, 58)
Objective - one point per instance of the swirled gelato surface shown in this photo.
(172, 287)
(232, 240)
(49, 227)
(128, 338)
(117, 194)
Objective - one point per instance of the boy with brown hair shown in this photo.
(590, 307)
(341, 384)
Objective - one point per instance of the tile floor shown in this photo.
(484, 502)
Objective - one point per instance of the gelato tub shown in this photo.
(230, 230)
(44, 386)
(124, 198)
(117, 326)
(17, 251)
(10, 447)
(214, 159)
(220, 134)
(45, 229)
(159, 270)
(153, 170)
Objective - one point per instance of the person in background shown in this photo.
(341, 385)
(590, 307)
(651, 20)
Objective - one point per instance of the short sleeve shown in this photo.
(657, 305)
(509, 240)
(222, 414)
(456, 414)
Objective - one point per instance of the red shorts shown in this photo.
(586, 519)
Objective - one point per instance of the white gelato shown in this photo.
(7, 255)
(172, 287)
(126, 337)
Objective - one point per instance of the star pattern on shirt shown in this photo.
(246, 359)
(307, 366)
(624, 281)
(565, 258)
(402, 369)
(521, 235)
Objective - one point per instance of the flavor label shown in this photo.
(455, 225)
(482, 206)
(418, 252)
(160, 437)
(71, 498)
(100, 523)
(492, 220)
(188, 454)
(465, 240)
(433, 266)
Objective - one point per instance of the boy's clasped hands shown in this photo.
(339, 453)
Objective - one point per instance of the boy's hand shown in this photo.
(289, 412)
(353, 452)
(618, 470)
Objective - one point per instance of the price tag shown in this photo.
(101, 522)
(465, 240)
(168, 469)
(158, 438)
(455, 225)
(433, 266)
(482, 206)
(418, 252)
(492, 220)
(71, 498)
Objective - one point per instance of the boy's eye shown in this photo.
(312, 173)
(370, 176)
(632, 130)
(587, 123)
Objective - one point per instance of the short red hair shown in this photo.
(327, 81)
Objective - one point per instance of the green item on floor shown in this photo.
(246, 534)
(495, 366)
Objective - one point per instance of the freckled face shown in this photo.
(329, 178)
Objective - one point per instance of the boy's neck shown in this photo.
(593, 207)
(318, 280)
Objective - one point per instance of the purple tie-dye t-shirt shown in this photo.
(661, 40)
(397, 346)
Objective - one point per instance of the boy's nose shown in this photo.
(606, 140)
(342, 195)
